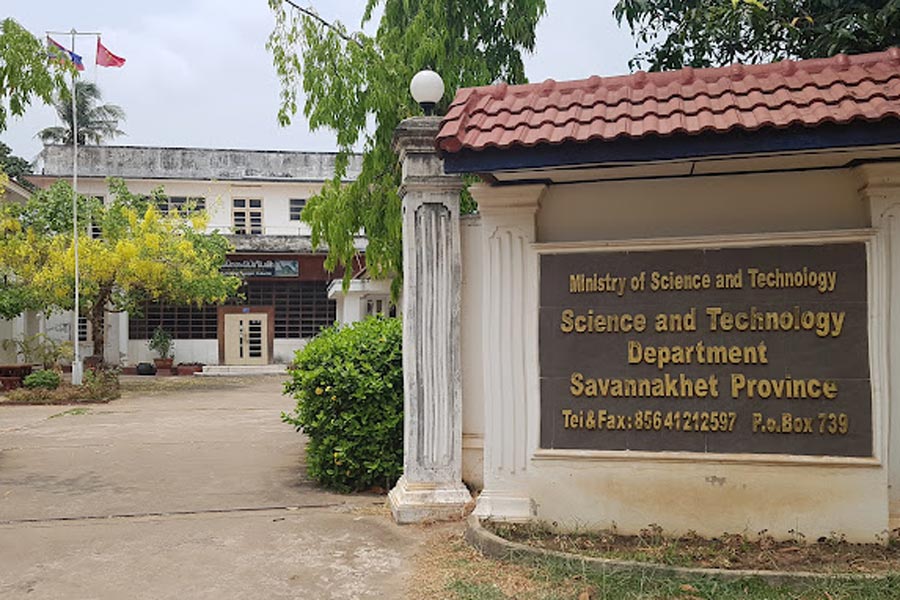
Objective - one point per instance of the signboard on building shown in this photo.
(262, 268)
(735, 350)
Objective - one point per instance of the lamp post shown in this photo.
(426, 88)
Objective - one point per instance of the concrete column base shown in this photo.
(504, 506)
(422, 502)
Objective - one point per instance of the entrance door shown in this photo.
(246, 339)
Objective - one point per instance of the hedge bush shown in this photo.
(348, 382)
(42, 379)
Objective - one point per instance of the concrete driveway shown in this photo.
(187, 493)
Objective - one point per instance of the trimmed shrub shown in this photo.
(348, 383)
(42, 379)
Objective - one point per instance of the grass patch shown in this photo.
(729, 551)
(72, 412)
(449, 569)
(468, 590)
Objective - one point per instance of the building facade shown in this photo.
(252, 197)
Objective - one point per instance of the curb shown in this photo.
(494, 546)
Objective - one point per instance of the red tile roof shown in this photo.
(839, 90)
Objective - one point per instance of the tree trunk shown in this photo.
(96, 318)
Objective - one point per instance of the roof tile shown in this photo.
(840, 89)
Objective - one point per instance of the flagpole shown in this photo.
(77, 366)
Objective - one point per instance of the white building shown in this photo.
(255, 198)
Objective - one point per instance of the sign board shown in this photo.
(734, 350)
(262, 268)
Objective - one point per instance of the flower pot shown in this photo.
(189, 369)
(162, 363)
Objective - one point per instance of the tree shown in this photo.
(14, 166)
(27, 71)
(704, 33)
(357, 86)
(15, 297)
(140, 255)
(97, 122)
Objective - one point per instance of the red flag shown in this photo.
(105, 58)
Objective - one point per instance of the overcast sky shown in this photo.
(198, 73)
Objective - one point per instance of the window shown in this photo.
(82, 329)
(297, 205)
(247, 216)
(94, 230)
(301, 308)
(379, 305)
(183, 322)
(185, 205)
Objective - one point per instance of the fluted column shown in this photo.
(431, 486)
(880, 190)
(509, 345)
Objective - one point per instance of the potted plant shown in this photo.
(189, 368)
(161, 343)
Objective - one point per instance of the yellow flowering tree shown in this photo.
(14, 296)
(136, 254)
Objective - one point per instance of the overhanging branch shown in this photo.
(311, 14)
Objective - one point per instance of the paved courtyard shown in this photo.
(190, 490)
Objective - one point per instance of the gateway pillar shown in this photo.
(431, 486)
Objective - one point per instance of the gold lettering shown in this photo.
(576, 384)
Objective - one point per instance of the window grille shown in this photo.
(247, 216)
(183, 322)
(186, 205)
(296, 208)
(302, 309)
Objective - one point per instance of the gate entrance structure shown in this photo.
(678, 300)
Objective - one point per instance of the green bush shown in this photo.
(348, 383)
(42, 379)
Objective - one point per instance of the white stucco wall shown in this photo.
(219, 195)
(351, 304)
(7, 332)
(766, 202)
(471, 359)
(207, 351)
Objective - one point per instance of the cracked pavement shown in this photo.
(191, 493)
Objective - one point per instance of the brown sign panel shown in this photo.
(735, 350)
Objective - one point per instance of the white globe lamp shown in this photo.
(426, 88)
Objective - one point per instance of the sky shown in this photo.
(198, 73)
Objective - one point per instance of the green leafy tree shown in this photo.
(356, 85)
(14, 166)
(97, 122)
(704, 33)
(27, 71)
(140, 254)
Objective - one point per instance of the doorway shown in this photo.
(246, 335)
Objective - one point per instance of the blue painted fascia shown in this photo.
(676, 147)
